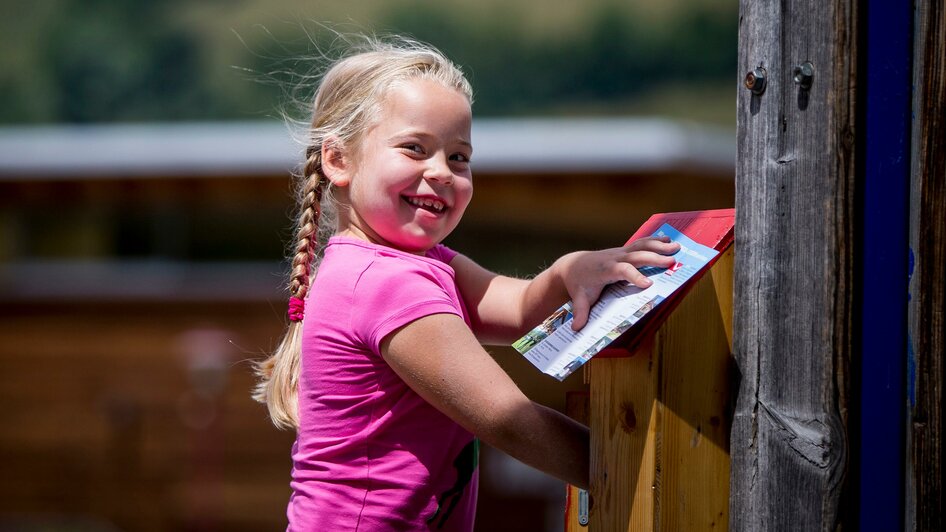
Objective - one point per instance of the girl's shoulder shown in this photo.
(388, 287)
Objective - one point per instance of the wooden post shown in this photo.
(927, 305)
(795, 177)
(659, 420)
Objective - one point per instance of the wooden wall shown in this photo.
(138, 415)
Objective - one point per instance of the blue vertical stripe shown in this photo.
(885, 245)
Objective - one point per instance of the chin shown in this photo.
(420, 244)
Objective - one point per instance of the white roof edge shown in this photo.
(267, 147)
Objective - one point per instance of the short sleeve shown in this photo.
(392, 292)
(442, 253)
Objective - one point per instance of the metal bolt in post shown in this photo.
(755, 81)
(803, 75)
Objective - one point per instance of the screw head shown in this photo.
(803, 75)
(755, 80)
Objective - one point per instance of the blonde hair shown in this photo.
(347, 103)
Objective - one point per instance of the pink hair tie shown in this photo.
(296, 309)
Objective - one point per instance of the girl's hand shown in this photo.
(586, 273)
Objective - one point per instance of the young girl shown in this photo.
(381, 372)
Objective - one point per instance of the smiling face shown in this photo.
(408, 182)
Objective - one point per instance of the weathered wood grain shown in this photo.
(795, 179)
(926, 309)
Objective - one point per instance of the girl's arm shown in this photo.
(441, 360)
(503, 308)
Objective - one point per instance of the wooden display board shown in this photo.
(659, 405)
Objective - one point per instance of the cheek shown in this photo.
(465, 192)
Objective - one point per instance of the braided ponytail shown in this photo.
(279, 374)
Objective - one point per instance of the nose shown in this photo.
(438, 170)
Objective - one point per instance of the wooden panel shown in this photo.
(624, 441)
(675, 474)
(694, 353)
(577, 407)
(795, 239)
(927, 305)
(722, 273)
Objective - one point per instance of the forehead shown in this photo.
(424, 102)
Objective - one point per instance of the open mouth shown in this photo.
(428, 204)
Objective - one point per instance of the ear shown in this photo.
(335, 165)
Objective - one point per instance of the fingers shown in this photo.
(582, 301)
(649, 258)
(633, 276)
(592, 271)
(581, 307)
(661, 245)
(636, 259)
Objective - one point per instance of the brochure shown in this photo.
(555, 349)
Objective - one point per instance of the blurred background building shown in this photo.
(144, 209)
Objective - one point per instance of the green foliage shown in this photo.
(124, 60)
(615, 58)
(107, 65)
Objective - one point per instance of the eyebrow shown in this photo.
(412, 133)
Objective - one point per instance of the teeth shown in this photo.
(428, 203)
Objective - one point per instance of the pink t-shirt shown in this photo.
(370, 454)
